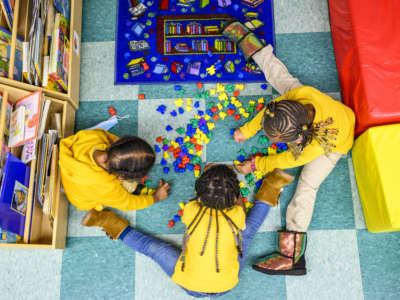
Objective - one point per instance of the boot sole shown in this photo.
(293, 272)
(86, 218)
(285, 175)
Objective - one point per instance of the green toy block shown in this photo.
(230, 88)
(251, 183)
(197, 96)
(181, 92)
(205, 95)
(249, 177)
(147, 183)
(189, 145)
(263, 140)
(254, 150)
(165, 141)
(180, 130)
(226, 103)
(210, 104)
(245, 192)
(242, 152)
(194, 122)
(209, 134)
(196, 160)
(265, 151)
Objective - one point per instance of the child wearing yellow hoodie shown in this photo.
(96, 167)
(318, 131)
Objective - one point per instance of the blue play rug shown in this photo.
(180, 40)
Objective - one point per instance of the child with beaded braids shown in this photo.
(99, 169)
(318, 131)
(217, 234)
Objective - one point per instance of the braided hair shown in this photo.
(217, 189)
(288, 120)
(130, 157)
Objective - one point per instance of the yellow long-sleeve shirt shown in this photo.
(88, 185)
(200, 270)
(325, 107)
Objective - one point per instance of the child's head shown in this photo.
(218, 187)
(130, 157)
(287, 121)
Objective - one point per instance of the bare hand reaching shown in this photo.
(244, 167)
(238, 136)
(161, 192)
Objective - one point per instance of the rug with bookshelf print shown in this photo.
(180, 40)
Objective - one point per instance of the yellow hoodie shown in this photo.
(88, 185)
(325, 107)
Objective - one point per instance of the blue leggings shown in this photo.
(166, 254)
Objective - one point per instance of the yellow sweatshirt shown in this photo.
(325, 107)
(88, 185)
(200, 271)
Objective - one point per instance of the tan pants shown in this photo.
(301, 207)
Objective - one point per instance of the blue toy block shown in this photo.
(161, 109)
(175, 164)
(173, 113)
(264, 86)
(241, 158)
(177, 87)
(209, 112)
(197, 104)
(179, 140)
(156, 148)
(168, 128)
(200, 113)
(178, 160)
(202, 122)
(259, 182)
(231, 106)
(181, 110)
(190, 167)
(204, 129)
(165, 147)
(232, 131)
(163, 162)
(166, 170)
(184, 149)
(190, 156)
(177, 218)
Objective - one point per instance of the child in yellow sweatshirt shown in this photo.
(218, 232)
(318, 131)
(95, 164)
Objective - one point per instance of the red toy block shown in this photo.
(214, 109)
(274, 146)
(180, 212)
(197, 167)
(171, 224)
(198, 147)
(159, 139)
(182, 166)
(199, 85)
(260, 106)
(171, 149)
(231, 112)
(237, 117)
(236, 93)
(112, 111)
(141, 96)
(144, 179)
(244, 199)
(216, 117)
(193, 140)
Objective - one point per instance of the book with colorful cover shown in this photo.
(64, 7)
(59, 60)
(5, 53)
(14, 195)
(17, 127)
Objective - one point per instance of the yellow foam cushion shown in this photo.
(376, 159)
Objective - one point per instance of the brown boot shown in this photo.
(272, 186)
(107, 220)
(289, 260)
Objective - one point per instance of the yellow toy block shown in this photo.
(212, 92)
(188, 101)
(239, 86)
(222, 115)
(207, 117)
(246, 115)
(181, 205)
(188, 108)
(186, 139)
(191, 151)
(196, 173)
(166, 154)
(252, 102)
(210, 125)
(242, 184)
(223, 96)
(179, 102)
(220, 88)
(261, 100)
(219, 105)
(211, 70)
(197, 117)
(199, 153)
(271, 151)
(236, 162)
(376, 165)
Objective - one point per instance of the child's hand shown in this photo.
(161, 192)
(244, 167)
(238, 136)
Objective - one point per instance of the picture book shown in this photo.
(17, 127)
(59, 53)
(64, 7)
(5, 48)
(7, 237)
(14, 195)
(32, 104)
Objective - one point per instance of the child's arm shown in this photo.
(251, 128)
(285, 160)
(275, 71)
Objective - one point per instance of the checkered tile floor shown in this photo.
(344, 260)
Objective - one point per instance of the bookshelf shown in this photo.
(42, 233)
(21, 26)
(192, 35)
